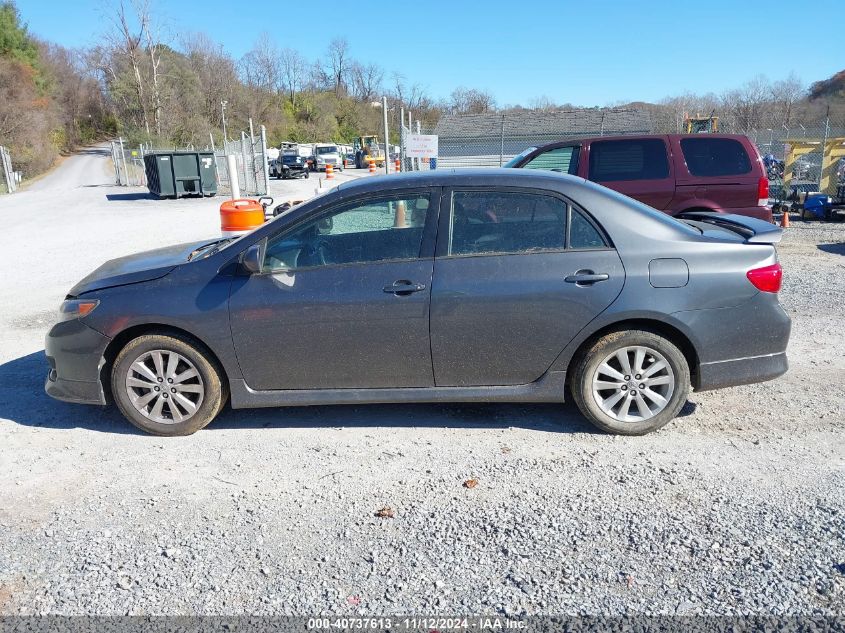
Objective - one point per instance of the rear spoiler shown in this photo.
(753, 230)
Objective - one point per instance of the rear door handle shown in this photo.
(586, 278)
(403, 287)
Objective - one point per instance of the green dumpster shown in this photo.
(179, 174)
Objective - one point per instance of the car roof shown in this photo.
(632, 137)
(464, 178)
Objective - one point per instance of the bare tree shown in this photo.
(786, 93)
(126, 40)
(261, 67)
(366, 80)
(150, 33)
(338, 61)
(747, 104)
(215, 72)
(472, 101)
(541, 103)
(292, 70)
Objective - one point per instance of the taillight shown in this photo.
(762, 192)
(767, 278)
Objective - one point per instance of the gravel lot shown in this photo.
(738, 507)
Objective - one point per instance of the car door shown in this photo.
(637, 167)
(518, 273)
(343, 298)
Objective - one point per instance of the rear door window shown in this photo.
(505, 222)
(562, 159)
(634, 159)
(715, 156)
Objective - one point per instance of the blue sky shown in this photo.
(585, 52)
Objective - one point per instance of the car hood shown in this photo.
(136, 268)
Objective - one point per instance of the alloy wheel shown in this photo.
(633, 384)
(164, 386)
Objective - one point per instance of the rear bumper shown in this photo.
(741, 371)
(761, 213)
(739, 345)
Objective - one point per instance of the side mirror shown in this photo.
(252, 259)
(325, 225)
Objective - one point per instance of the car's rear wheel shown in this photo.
(167, 385)
(631, 382)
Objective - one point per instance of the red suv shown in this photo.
(671, 172)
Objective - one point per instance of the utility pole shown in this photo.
(223, 112)
(386, 137)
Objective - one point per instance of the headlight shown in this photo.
(76, 308)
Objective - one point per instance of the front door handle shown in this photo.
(403, 287)
(586, 278)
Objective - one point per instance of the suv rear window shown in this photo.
(635, 159)
(715, 156)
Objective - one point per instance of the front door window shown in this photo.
(376, 229)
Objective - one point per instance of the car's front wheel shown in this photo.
(167, 384)
(631, 382)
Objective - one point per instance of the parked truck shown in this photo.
(290, 162)
(326, 154)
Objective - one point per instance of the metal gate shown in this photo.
(10, 180)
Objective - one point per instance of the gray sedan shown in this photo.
(472, 286)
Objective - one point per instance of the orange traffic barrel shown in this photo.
(398, 166)
(372, 166)
(329, 171)
(238, 217)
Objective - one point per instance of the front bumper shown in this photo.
(75, 353)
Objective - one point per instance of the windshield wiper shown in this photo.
(205, 247)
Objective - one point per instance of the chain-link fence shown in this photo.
(10, 178)
(250, 152)
(491, 140)
(810, 156)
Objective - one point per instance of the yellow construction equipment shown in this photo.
(367, 149)
(699, 124)
(832, 150)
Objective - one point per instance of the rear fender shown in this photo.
(626, 320)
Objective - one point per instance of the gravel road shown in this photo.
(737, 507)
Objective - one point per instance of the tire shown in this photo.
(206, 390)
(592, 379)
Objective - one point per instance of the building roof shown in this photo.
(580, 122)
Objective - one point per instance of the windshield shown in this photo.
(327, 150)
(513, 161)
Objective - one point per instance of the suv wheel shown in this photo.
(631, 383)
(165, 385)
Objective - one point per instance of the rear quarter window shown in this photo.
(715, 157)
